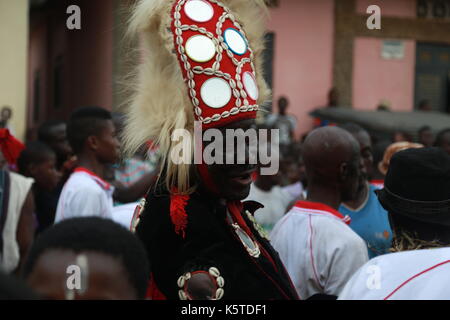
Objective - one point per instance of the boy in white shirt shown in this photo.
(92, 136)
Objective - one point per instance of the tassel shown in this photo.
(178, 212)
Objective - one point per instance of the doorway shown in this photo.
(433, 76)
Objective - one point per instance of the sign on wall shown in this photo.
(393, 50)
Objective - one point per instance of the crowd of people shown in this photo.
(72, 170)
(96, 208)
(327, 212)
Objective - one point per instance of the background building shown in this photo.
(313, 46)
(13, 60)
(322, 44)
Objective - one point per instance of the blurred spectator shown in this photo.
(293, 170)
(5, 117)
(92, 136)
(112, 262)
(383, 108)
(332, 102)
(10, 148)
(318, 249)
(425, 106)
(400, 136)
(383, 165)
(54, 134)
(425, 136)
(16, 224)
(129, 170)
(3, 162)
(38, 161)
(284, 122)
(384, 105)
(16, 206)
(378, 153)
(443, 140)
(267, 191)
(12, 288)
(369, 219)
(132, 177)
(333, 98)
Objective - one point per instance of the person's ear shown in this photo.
(92, 142)
(343, 171)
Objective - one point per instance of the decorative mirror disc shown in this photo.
(216, 93)
(201, 286)
(235, 41)
(250, 85)
(199, 10)
(200, 48)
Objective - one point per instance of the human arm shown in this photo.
(135, 191)
(25, 229)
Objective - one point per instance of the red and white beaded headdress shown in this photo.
(201, 62)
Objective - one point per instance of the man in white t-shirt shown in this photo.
(92, 135)
(314, 241)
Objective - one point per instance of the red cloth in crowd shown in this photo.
(10, 146)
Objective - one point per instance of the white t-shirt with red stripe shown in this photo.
(319, 250)
(85, 194)
(408, 275)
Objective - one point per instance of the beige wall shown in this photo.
(13, 60)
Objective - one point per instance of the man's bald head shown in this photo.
(331, 156)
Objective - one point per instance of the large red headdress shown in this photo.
(216, 60)
(201, 61)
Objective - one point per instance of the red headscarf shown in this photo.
(10, 146)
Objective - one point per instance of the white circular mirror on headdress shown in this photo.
(235, 41)
(216, 93)
(199, 10)
(250, 85)
(200, 48)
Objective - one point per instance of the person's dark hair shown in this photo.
(35, 152)
(283, 98)
(45, 130)
(379, 150)
(383, 108)
(352, 127)
(423, 129)
(12, 288)
(7, 108)
(119, 120)
(423, 103)
(283, 101)
(95, 235)
(440, 137)
(85, 122)
(406, 136)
